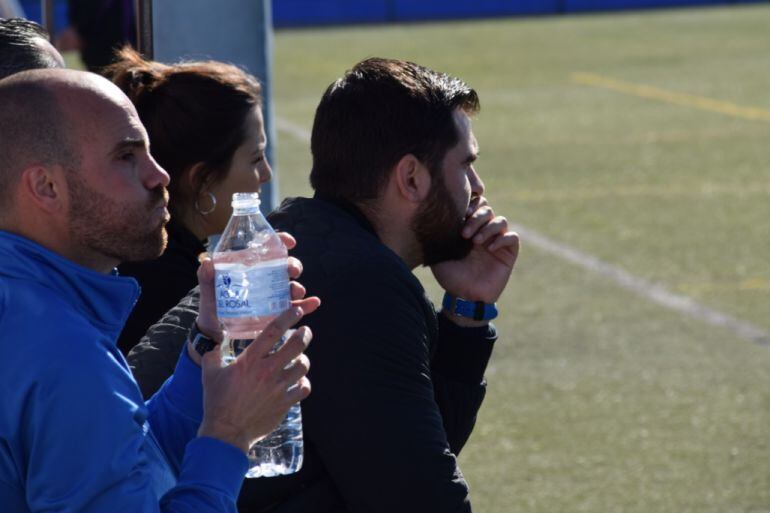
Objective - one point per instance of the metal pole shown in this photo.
(46, 6)
(144, 40)
(243, 34)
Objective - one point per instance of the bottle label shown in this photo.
(258, 290)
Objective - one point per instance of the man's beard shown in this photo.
(113, 228)
(437, 226)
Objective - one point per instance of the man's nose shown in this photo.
(477, 186)
(155, 175)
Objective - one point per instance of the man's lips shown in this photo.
(162, 209)
(473, 206)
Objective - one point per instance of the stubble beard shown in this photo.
(115, 229)
(437, 226)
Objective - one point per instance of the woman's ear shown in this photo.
(194, 176)
(202, 194)
(412, 178)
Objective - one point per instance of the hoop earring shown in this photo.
(208, 210)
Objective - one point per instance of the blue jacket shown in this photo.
(75, 434)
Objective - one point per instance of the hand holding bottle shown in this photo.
(207, 320)
(252, 290)
(246, 400)
(228, 388)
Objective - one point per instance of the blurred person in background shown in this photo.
(25, 45)
(97, 29)
(204, 121)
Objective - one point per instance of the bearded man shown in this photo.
(396, 387)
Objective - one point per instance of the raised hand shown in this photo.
(207, 310)
(246, 400)
(483, 274)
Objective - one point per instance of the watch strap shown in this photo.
(200, 342)
(476, 310)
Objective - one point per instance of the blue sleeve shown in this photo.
(211, 478)
(176, 410)
(85, 434)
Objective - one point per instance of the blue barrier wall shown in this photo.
(33, 11)
(298, 13)
(409, 10)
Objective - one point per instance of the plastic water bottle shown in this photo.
(252, 288)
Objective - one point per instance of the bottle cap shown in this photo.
(245, 200)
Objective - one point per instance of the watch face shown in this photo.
(203, 345)
(200, 342)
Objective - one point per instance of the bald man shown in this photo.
(79, 193)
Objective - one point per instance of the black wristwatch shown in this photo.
(200, 342)
(476, 310)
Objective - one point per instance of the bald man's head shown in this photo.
(76, 174)
(33, 130)
(42, 113)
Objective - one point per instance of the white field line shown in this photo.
(298, 132)
(648, 290)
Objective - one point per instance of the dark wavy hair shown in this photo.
(379, 111)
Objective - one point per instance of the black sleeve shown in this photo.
(164, 282)
(372, 415)
(458, 376)
(154, 358)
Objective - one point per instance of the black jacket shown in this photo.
(396, 388)
(164, 281)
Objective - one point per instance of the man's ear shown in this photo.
(412, 178)
(45, 186)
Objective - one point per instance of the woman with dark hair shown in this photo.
(205, 126)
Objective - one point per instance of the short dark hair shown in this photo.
(379, 111)
(33, 129)
(20, 49)
(193, 112)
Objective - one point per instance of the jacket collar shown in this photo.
(351, 209)
(184, 239)
(104, 299)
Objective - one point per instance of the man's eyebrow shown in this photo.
(470, 159)
(129, 143)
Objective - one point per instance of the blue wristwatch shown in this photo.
(476, 310)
